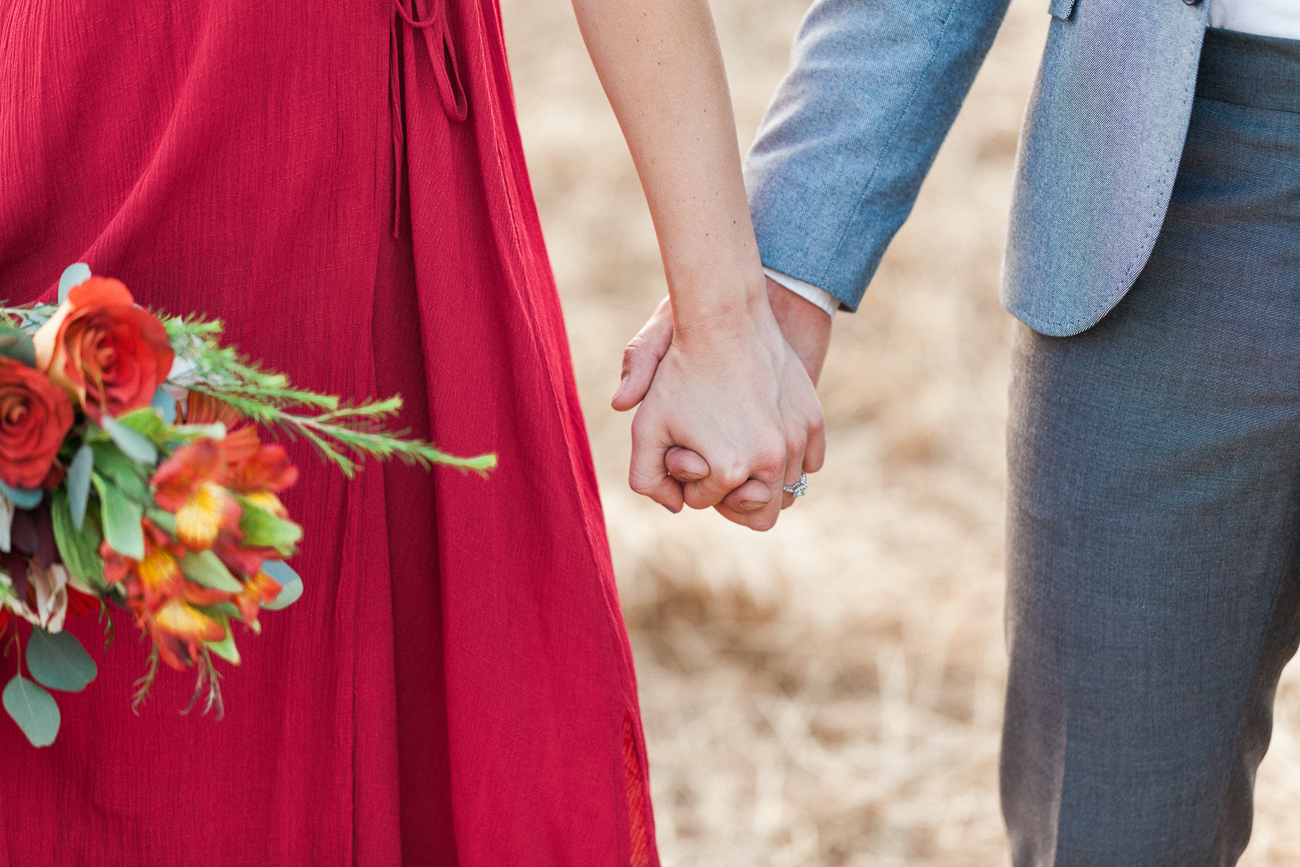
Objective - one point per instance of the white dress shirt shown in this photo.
(1261, 17)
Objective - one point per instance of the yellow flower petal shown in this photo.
(188, 622)
(202, 516)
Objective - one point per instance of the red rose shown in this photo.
(104, 349)
(35, 416)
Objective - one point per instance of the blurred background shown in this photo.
(828, 693)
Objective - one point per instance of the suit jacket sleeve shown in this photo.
(873, 88)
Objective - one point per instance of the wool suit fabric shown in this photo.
(1153, 257)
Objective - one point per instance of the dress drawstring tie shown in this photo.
(442, 58)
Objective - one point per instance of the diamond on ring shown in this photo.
(799, 488)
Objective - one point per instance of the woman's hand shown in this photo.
(729, 388)
(805, 327)
(731, 411)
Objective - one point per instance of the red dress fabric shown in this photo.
(342, 183)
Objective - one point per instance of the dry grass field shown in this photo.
(828, 693)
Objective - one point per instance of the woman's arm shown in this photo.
(729, 387)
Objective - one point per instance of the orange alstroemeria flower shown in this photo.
(178, 629)
(258, 589)
(239, 559)
(191, 484)
(160, 578)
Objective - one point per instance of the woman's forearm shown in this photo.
(661, 67)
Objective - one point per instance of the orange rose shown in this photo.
(104, 349)
(35, 416)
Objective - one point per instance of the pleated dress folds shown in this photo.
(342, 183)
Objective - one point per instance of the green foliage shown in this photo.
(79, 484)
(165, 404)
(79, 547)
(340, 433)
(15, 344)
(291, 586)
(134, 444)
(225, 648)
(206, 568)
(111, 464)
(73, 275)
(23, 498)
(122, 517)
(33, 709)
(57, 660)
(261, 529)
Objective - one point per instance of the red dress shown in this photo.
(342, 182)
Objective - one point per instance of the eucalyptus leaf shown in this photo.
(289, 594)
(263, 530)
(133, 444)
(34, 709)
(291, 585)
(123, 472)
(73, 275)
(79, 484)
(279, 571)
(146, 421)
(225, 648)
(207, 569)
(15, 344)
(79, 548)
(165, 404)
(23, 498)
(122, 517)
(58, 660)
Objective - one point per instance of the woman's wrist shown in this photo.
(731, 316)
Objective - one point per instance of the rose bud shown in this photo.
(104, 349)
(35, 416)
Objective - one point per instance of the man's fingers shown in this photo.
(642, 356)
(685, 465)
(815, 452)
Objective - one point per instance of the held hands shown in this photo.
(728, 413)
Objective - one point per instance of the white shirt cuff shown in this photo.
(807, 291)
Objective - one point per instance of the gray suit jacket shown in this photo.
(874, 88)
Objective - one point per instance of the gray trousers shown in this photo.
(1154, 509)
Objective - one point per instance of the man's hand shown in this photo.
(804, 326)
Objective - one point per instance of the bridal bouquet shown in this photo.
(133, 473)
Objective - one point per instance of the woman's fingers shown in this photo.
(727, 416)
(642, 355)
(648, 476)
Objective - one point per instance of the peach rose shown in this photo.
(102, 348)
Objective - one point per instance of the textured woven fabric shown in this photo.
(1154, 511)
(455, 686)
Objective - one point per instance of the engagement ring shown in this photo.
(799, 488)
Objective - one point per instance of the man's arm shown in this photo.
(853, 128)
(838, 161)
